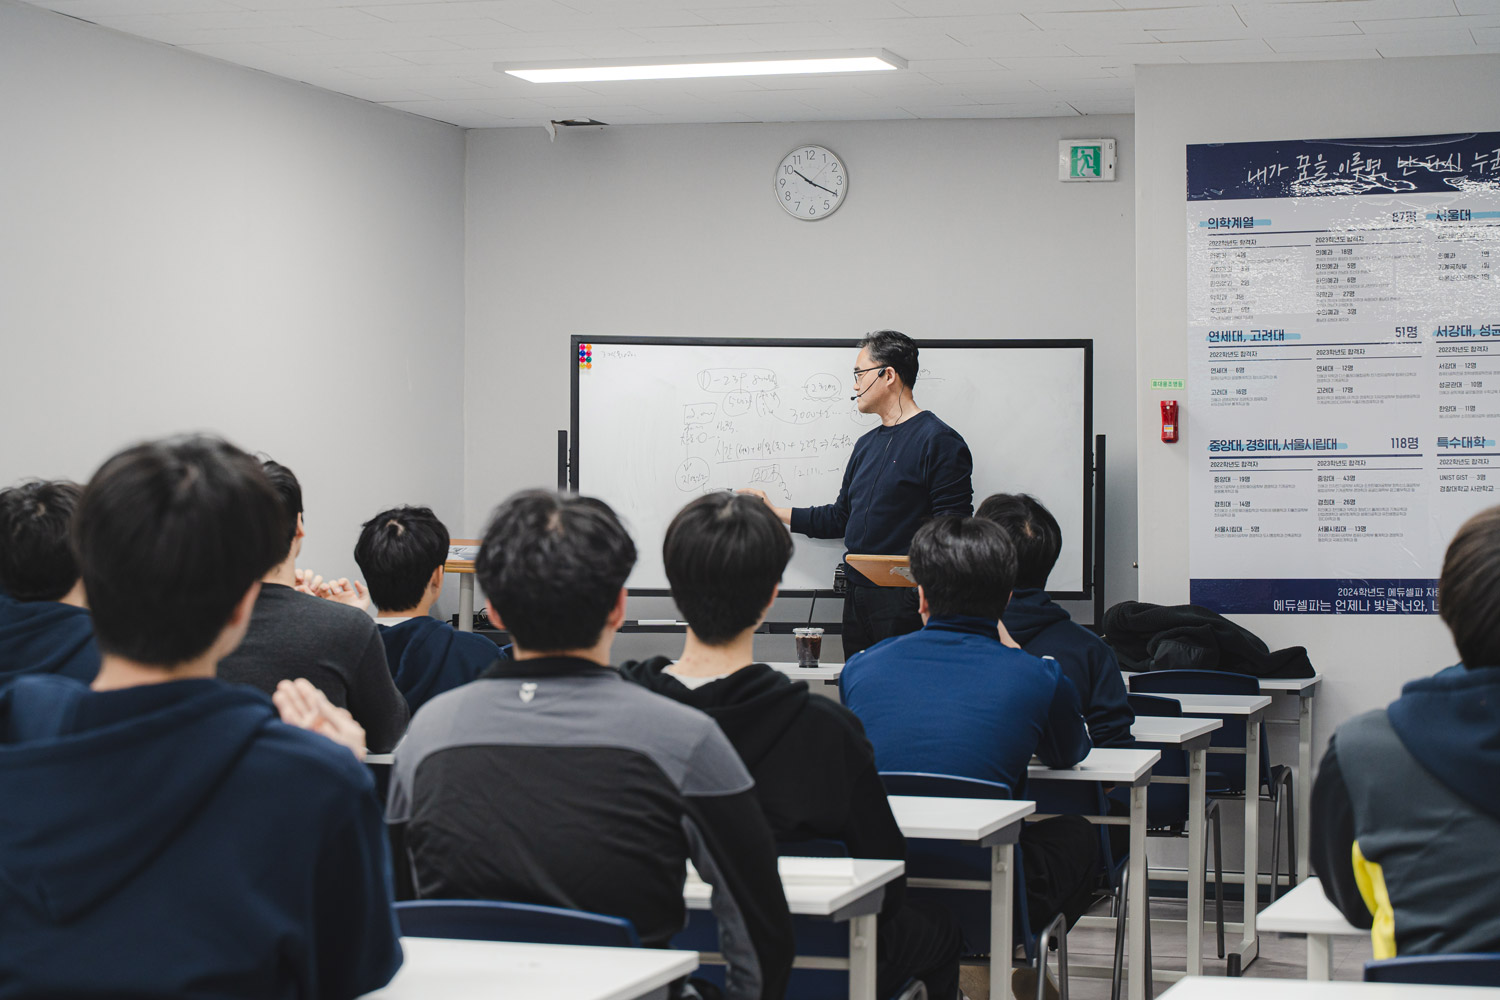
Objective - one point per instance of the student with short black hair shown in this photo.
(295, 634)
(814, 770)
(164, 834)
(954, 699)
(1405, 811)
(45, 626)
(550, 780)
(401, 552)
(1045, 629)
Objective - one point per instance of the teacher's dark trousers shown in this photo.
(875, 613)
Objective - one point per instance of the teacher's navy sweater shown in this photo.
(952, 699)
(897, 479)
(179, 840)
(46, 637)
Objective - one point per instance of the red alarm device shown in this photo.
(1169, 420)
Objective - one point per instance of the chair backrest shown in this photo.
(1154, 705)
(1231, 769)
(486, 920)
(1437, 970)
(947, 786)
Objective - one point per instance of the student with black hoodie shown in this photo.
(1044, 629)
(1406, 807)
(814, 770)
(164, 833)
(44, 623)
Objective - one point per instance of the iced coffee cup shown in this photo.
(809, 646)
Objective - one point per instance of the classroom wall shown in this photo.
(950, 229)
(188, 245)
(1365, 659)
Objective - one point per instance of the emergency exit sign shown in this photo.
(1086, 160)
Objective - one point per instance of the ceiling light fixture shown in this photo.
(780, 64)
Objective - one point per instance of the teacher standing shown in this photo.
(910, 469)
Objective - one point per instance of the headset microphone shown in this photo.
(867, 388)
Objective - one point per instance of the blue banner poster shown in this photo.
(1343, 330)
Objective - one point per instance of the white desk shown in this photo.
(812, 889)
(1193, 736)
(828, 673)
(1304, 689)
(992, 823)
(1251, 708)
(1132, 768)
(1215, 988)
(440, 969)
(1305, 910)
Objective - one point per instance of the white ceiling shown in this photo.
(967, 58)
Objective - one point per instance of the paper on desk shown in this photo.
(463, 553)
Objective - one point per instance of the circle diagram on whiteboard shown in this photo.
(810, 183)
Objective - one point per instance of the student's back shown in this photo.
(335, 647)
(1045, 629)
(202, 848)
(951, 699)
(1406, 808)
(46, 637)
(813, 767)
(428, 657)
(44, 627)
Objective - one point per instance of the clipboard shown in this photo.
(883, 571)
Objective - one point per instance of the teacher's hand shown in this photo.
(783, 513)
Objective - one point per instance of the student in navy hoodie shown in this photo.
(814, 770)
(1044, 629)
(954, 699)
(1406, 807)
(164, 833)
(401, 553)
(44, 622)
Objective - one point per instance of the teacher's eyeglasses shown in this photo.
(860, 371)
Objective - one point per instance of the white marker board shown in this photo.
(657, 422)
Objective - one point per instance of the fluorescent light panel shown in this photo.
(685, 70)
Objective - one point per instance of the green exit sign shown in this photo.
(1168, 383)
(1086, 160)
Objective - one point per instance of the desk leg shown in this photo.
(1135, 917)
(1304, 785)
(1197, 857)
(1319, 957)
(1002, 910)
(862, 957)
(1252, 833)
(466, 602)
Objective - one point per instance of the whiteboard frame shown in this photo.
(1086, 456)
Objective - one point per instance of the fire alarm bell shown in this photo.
(1169, 420)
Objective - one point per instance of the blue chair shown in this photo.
(487, 920)
(1167, 804)
(1227, 772)
(1437, 970)
(947, 861)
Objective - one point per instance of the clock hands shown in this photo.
(813, 182)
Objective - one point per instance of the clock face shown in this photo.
(810, 183)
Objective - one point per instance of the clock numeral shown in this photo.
(812, 210)
(825, 204)
(797, 205)
(789, 196)
(838, 181)
(783, 182)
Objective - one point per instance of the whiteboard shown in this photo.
(657, 422)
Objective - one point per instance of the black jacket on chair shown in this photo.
(1187, 637)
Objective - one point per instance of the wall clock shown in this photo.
(810, 183)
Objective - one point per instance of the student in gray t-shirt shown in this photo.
(295, 634)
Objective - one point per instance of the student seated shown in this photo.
(551, 780)
(1044, 629)
(298, 635)
(953, 699)
(44, 622)
(401, 553)
(1405, 810)
(163, 833)
(814, 770)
